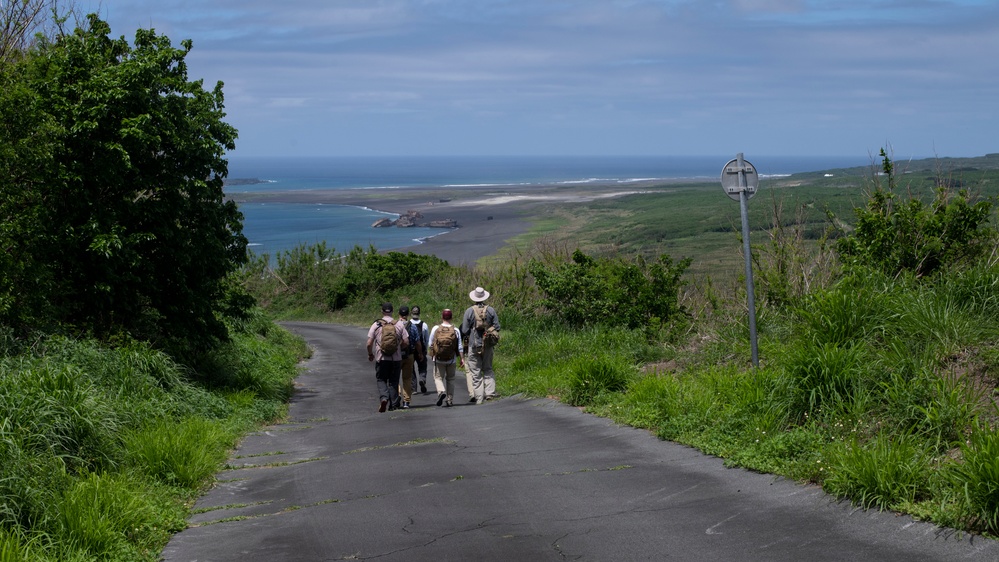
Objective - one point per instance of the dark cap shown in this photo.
(403, 310)
(416, 310)
(446, 315)
(386, 307)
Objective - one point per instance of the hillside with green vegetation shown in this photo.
(877, 299)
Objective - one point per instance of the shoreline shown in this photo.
(487, 216)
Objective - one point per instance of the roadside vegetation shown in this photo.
(877, 301)
(130, 360)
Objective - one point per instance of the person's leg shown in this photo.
(450, 371)
(440, 372)
(473, 365)
(488, 376)
(406, 382)
(382, 369)
(393, 383)
(422, 367)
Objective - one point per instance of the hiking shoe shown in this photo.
(405, 405)
(448, 404)
(383, 407)
(471, 399)
(423, 387)
(440, 398)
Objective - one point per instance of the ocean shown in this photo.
(272, 228)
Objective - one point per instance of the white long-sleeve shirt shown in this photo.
(456, 332)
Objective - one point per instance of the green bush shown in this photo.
(883, 473)
(612, 291)
(847, 313)
(181, 453)
(591, 376)
(113, 516)
(894, 235)
(823, 376)
(976, 476)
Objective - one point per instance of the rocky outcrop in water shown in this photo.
(411, 219)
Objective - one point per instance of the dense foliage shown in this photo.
(113, 224)
(894, 235)
(100, 445)
(111, 170)
(611, 291)
(318, 277)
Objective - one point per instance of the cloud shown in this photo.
(591, 76)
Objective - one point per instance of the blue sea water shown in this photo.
(275, 227)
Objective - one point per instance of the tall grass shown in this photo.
(885, 472)
(977, 478)
(100, 444)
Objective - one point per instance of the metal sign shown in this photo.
(740, 180)
(738, 176)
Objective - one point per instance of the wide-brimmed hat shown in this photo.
(478, 295)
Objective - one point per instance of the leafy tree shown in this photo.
(112, 203)
(609, 291)
(374, 273)
(895, 235)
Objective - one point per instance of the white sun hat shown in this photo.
(478, 295)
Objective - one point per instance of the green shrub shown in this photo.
(977, 477)
(932, 319)
(882, 473)
(894, 236)
(611, 291)
(950, 411)
(183, 453)
(823, 376)
(844, 314)
(652, 400)
(591, 376)
(113, 516)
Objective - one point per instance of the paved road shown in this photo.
(513, 479)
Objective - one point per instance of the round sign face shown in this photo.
(734, 182)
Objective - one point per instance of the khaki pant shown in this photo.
(479, 374)
(406, 381)
(444, 379)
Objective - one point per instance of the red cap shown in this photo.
(446, 315)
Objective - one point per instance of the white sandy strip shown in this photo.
(501, 199)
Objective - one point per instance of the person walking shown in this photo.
(409, 354)
(385, 342)
(480, 329)
(445, 351)
(423, 334)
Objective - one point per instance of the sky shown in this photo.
(591, 77)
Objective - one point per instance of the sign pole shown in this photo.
(750, 288)
(740, 179)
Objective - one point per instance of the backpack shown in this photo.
(490, 335)
(445, 344)
(419, 332)
(389, 339)
(413, 335)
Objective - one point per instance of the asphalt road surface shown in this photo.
(512, 479)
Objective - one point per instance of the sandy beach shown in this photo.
(487, 216)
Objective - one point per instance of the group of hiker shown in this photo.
(402, 350)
